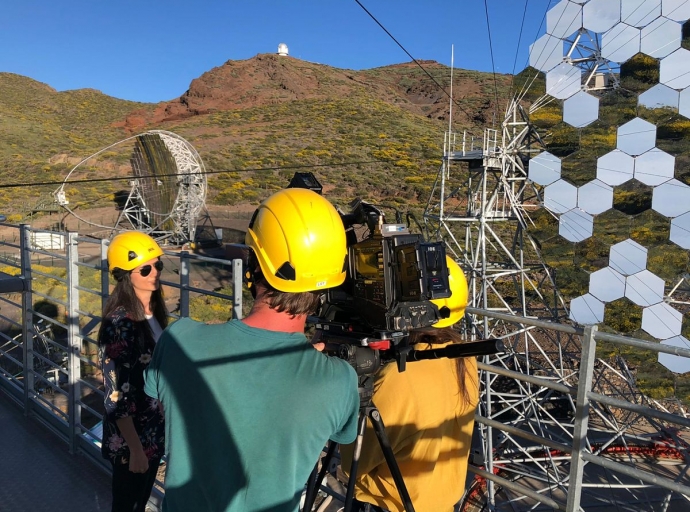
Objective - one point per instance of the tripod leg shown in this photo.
(315, 480)
(388, 454)
(349, 496)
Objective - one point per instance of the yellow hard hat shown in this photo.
(299, 240)
(457, 302)
(130, 249)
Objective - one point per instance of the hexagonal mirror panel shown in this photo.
(636, 136)
(620, 43)
(560, 196)
(587, 310)
(601, 15)
(674, 70)
(615, 168)
(546, 53)
(595, 197)
(680, 231)
(563, 19)
(654, 167)
(659, 96)
(607, 285)
(660, 38)
(628, 257)
(640, 13)
(580, 109)
(676, 10)
(671, 198)
(662, 321)
(684, 103)
(544, 168)
(644, 288)
(563, 81)
(576, 225)
(677, 364)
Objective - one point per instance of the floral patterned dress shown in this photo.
(126, 349)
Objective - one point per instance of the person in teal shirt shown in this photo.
(250, 404)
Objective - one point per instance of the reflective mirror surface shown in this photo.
(595, 197)
(563, 81)
(659, 96)
(576, 225)
(628, 257)
(680, 231)
(660, 38)
(671, 198)
(639, 13)
(675, 363)
(615, 168)
(620, 43)
(684, 103)
(564, 19)
(607, 285)
(601, 15)
(644, 288)
(587, 310)
(662, 321)
(546, 53)
(654, 167)
(677, 10)
(674, 70)
(580, 109)
(636, 136)
(544, 168)
(560, 196)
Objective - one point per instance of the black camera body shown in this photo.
(392, 277)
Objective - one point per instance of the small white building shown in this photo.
(282, 49)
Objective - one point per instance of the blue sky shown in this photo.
(151, 50)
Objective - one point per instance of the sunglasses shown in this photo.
(146, 269)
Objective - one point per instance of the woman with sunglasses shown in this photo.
(133, 318)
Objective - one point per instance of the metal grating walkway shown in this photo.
(37, 472)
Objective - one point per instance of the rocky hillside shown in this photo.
(254, 122)
(269, 79)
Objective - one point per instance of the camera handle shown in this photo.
(371, 412)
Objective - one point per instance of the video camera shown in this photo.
(392, 278)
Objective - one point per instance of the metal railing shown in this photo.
(66, 289)
(48, 349)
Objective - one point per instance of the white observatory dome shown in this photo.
(282, 49)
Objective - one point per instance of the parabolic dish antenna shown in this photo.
(153, 182)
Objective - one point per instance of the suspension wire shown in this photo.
(413, 59)
(530, 82)
(493, 66)
(517, 48)
(257, 169)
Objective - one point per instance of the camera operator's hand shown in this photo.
(316, 343)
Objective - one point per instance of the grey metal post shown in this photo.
(237, 288)
(105, 280)
(27, 317)
(584, 385)
(185, 266)
(73, 340)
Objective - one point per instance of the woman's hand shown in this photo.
(138, 462)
